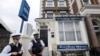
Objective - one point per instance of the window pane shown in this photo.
(49, 3)
(77, 26)
(61, 3)
(60, 26)
(78, 33)
(61, 35)
(86, 1)
(69, 31)
(68, 26)
(49, 15)
(70, 36)
(62, 13)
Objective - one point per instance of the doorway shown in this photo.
(44, 35)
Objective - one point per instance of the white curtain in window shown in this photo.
(61, 33)
(78, 31)
(60, 26)
(69, 31)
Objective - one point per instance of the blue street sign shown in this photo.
(72, 47)
(69, 18)
(24, 10)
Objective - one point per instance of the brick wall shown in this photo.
(4, 39)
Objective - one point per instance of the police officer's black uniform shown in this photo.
(13, 47)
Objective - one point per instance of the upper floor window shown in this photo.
(49, 3)
(49, 14)
(61, 3)
(63, 13)
(85, 1)
(96, 25)
(69, 31)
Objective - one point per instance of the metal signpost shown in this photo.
(24, 13)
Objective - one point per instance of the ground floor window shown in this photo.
(69, 31)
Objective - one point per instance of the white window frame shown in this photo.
(63, 12)
(49, 5)
(49, 12)
(76, 37)
(61, 1)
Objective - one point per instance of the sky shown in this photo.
(9, 10)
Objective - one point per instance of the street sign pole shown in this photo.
(21, 26)
(24, 13)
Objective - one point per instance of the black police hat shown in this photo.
(16, 36)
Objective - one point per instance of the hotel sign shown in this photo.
(72, 47)
(24, 10)
(69, 18)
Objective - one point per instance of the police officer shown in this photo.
(36, 46)
(15, 48)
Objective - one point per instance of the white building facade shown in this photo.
(63, 34)
(71, 36)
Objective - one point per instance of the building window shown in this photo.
(49, 14)
(61, 3)
(50, 3)
(63, 12)
(85, 1)
(96, 25)
(69, 31)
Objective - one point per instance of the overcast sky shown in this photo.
(9, 10)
